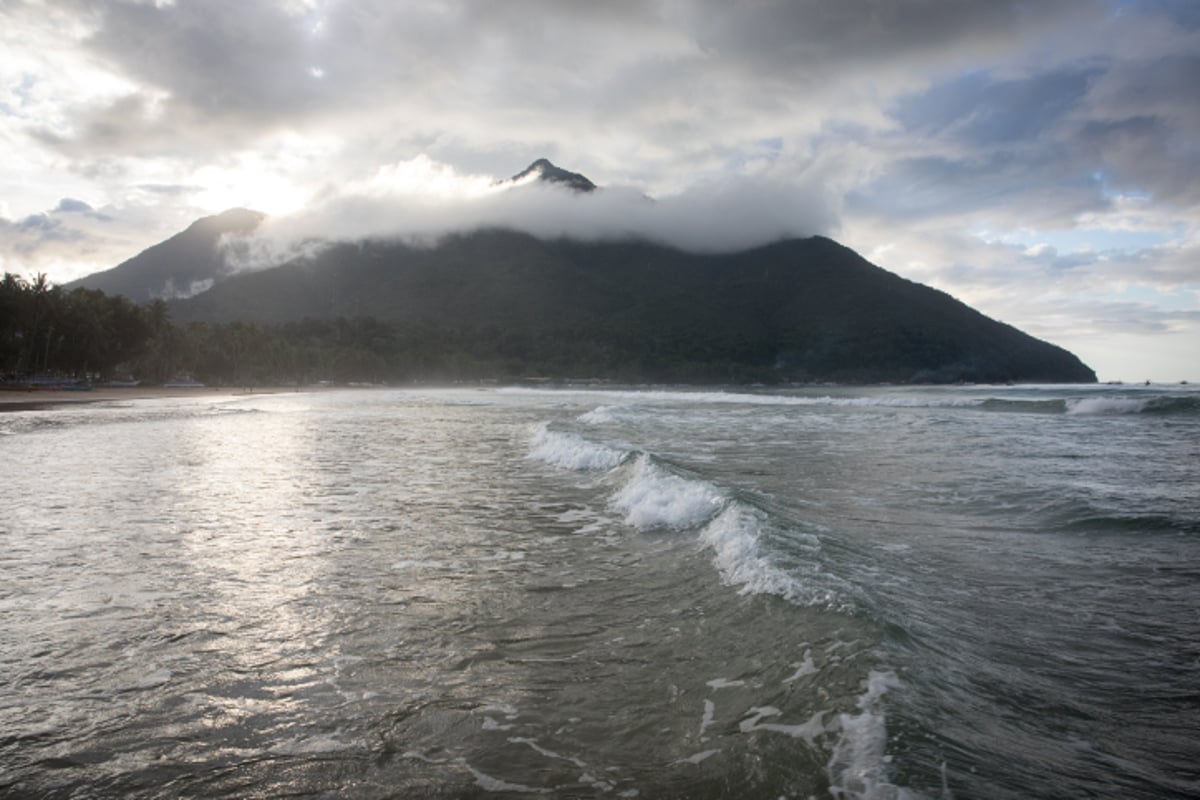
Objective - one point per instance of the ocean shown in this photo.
(826, 592)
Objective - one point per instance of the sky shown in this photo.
(1037, 159)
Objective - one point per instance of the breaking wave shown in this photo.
(754, 550)
(1049, 400)
(657, 498)
(572, 451)
(1106, 405)
(1159, 404)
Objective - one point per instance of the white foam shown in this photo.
(490, 724)
(1105, 405)
(723, 683)
(418, 564)
(532, 743)
(803, 669)
(747, 398)
(808, 731)
(698, 757)
(490, 784)
(707, 720)
(655, 498)
(599, 415)
(153, 679)
(311, 745)
(571, 451)
(859, 764)
(601, 784)
(733, 535)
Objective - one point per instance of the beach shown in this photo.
(36, 399)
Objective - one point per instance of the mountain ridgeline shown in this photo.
(189, 262)
(498, 303)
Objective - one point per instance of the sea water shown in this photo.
(969, 592)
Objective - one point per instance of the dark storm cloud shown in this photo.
(224, 58)
(828, 38)
(226, 70)
(694, 85)
(1142, 128)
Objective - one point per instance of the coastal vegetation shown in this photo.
(48, 332)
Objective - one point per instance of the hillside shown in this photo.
(189, 262)
(797, 310)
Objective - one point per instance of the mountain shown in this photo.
(550, 173)
(187, 263)
(796, 310)
(500, 303)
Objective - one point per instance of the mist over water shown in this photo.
(874, 593)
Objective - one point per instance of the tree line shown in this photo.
(48, 334)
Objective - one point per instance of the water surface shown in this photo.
(968, 592)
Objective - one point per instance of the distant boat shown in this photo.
(123, 384)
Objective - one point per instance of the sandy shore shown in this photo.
(50, 398)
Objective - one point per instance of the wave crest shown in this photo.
(572, 451)
(656, 498)
(1106, 405)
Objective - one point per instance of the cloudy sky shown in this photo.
(1039, 160)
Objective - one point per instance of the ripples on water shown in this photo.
(880, 594)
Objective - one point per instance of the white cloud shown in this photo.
(421, 200)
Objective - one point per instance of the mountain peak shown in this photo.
(231, 220)
(547, 171)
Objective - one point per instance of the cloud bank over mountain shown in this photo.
(421, 201)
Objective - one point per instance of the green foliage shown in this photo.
(44, 330)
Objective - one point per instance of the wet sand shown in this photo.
(31, 400)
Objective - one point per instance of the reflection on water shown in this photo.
(296, 595)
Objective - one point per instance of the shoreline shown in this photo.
(42, 399)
